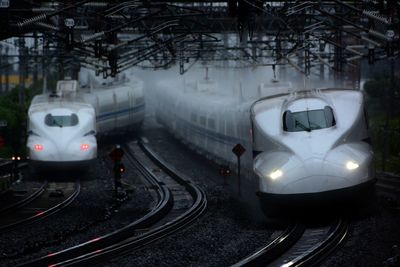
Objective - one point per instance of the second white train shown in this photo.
(63, 125)
(308, 143)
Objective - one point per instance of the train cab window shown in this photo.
(308, 120)
(61, 121)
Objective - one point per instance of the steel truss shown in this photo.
(113, 36)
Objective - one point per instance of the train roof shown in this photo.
(327, 95)
(346, 105)
(46, 102)
(204, 93)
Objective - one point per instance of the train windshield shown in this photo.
(308, 120)
(61, 120)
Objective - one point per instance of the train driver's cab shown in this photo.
(61, 120)
(312, 115)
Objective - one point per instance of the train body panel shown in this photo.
(198, 120)
(117, 106)
(297, 142)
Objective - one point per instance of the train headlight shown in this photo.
(275, 174)
(351, 165)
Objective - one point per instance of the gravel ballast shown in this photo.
(223, 235)
(93, 213)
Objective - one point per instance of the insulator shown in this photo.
(42, 9)
(32, 20)
(115, 16)
(353, 51)
(371, 15)
(96, 4)
(378, 35)
(92, 37)
(371, 41)
(47, 26)
(353, 58)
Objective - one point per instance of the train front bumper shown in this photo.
(58, 151)
(283, 173)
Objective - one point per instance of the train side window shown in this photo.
(74, 119)
(221, 124)
(229, 128)
(139, 100)
(202, 120)
(193, 117)
(288, 124)
(211, 123)
(366, 119)
(330, 119)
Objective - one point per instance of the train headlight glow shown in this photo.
(275, 174)
(38, 147)
(351, 165)
(84, 147)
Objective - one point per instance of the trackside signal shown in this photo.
(238, 150)
(119, 168)
(116, 154)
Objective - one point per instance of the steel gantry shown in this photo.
(111, 36)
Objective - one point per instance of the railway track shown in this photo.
(53, 197)
(18, 198)
(299, 246)
(163, 220)
(388, 187)
(7, 177)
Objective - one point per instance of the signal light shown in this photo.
(84, 147)
(224, 170)
(117, 153)
(121, 168)
(38, 147)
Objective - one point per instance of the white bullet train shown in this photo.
(63, 125)
(307, 143)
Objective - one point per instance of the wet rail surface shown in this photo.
(299, 245)
(388, 188)
(166, 217)
(13, 199)
(52, 198)
(9, 174)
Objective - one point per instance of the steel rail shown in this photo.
(7, 174)
(338, 233)
(163, 205)
(388, 188)
(132, 243)
(275, 248)
(35, 194)
(44, 213)
(311, 255)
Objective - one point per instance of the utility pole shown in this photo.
(389, 108)
(1, 67)
(7, 71)
(35, 56)
(22, 58)
(44, 67)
